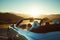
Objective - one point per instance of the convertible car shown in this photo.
(21, 31)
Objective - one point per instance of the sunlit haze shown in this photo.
(31, 7)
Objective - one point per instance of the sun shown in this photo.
(34, 12)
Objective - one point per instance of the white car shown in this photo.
(34, 35)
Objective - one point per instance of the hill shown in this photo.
(52, 16)
(9, 18)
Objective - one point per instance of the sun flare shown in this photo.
(34, 12)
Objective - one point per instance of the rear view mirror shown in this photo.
(31, 19)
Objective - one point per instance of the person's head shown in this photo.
(29, 25)
(47, 23)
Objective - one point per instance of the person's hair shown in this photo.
(29, 25)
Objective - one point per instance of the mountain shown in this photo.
(9, 18)
(51, 16)
(24, 15)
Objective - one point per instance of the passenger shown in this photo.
(55, 22)
(46, 21)
(35, 25)
(41, 21)
(29, 26)
(47, 24)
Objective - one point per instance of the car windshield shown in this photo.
(27, 22)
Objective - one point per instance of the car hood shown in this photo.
(38, 36)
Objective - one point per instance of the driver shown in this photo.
(29, 26)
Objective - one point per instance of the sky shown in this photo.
(30, 6)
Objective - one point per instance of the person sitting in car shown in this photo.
(35, 25)
(29, 26)
(55, 21)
